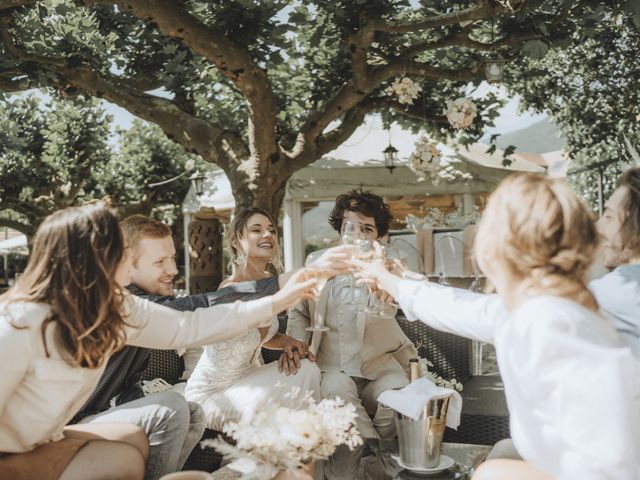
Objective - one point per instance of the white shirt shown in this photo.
(573, 391)
(618, 294)
(40, 394)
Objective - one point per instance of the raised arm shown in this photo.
(245, 291)
(453, 310)
(155, 326)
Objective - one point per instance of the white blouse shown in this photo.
(573, 391)
(39, 394)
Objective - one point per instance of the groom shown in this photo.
(360, 355)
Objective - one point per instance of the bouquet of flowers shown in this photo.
(281, 438)
(460, 112)
(425, 159)
(406, 90)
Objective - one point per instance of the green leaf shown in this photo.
(509, 150)
(314, 40)
(535, 49)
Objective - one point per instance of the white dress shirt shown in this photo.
(39, 394)
(573, 391)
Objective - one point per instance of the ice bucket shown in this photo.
(421, 440)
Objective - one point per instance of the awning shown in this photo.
(17, 245)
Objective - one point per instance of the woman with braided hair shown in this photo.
(571, 386)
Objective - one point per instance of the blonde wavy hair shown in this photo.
(541, 233)
(237, 231)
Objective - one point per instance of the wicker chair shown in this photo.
(485, 416)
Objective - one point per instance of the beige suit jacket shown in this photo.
(385, 347)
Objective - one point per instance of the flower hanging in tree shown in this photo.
(406, 90)
(425, 159)
(460, 112)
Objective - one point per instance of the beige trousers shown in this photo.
(375, 422)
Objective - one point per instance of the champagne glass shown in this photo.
(366, 253)
(351, 233)
(322, 276)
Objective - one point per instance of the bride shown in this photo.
(229, 381)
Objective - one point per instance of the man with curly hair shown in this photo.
(360, 355)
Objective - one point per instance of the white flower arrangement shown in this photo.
(425, 159)
(425, 364)
(436, 218)
(405, 89)
(282, 438)
(460, 112)
(189, 164)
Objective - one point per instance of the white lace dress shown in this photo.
(229, 381)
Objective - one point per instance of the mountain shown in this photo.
(540, 137)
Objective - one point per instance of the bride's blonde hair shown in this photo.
(237, 230)
(538, 230)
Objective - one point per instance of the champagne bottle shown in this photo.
(414, 370)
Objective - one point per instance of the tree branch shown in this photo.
(461, 39)
(29, 210)
(411, 111)
(483, 9)
(10, 85)
(302, 154)
(359, 44)
(234, 62)
(10, 4)
(28, 230)
(195, 134)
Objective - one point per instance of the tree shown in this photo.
(264, 88)
(143, 156)
(46, 155)
(55, 153)
(590, 90)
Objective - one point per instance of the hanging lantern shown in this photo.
(494, 68)
(390, 157)
(197, 180)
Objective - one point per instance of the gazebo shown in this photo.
(460, 184)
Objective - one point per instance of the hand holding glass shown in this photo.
(322, 276)
(351, 234)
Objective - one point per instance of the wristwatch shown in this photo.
(409, 275)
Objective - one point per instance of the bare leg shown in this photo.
(118, 432)
(503, 469)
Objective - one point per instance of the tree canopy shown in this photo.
(55, 153)
(264, 88)
(591, 90)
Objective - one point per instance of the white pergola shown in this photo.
(328, 177)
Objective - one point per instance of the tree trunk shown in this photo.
(265, 192)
